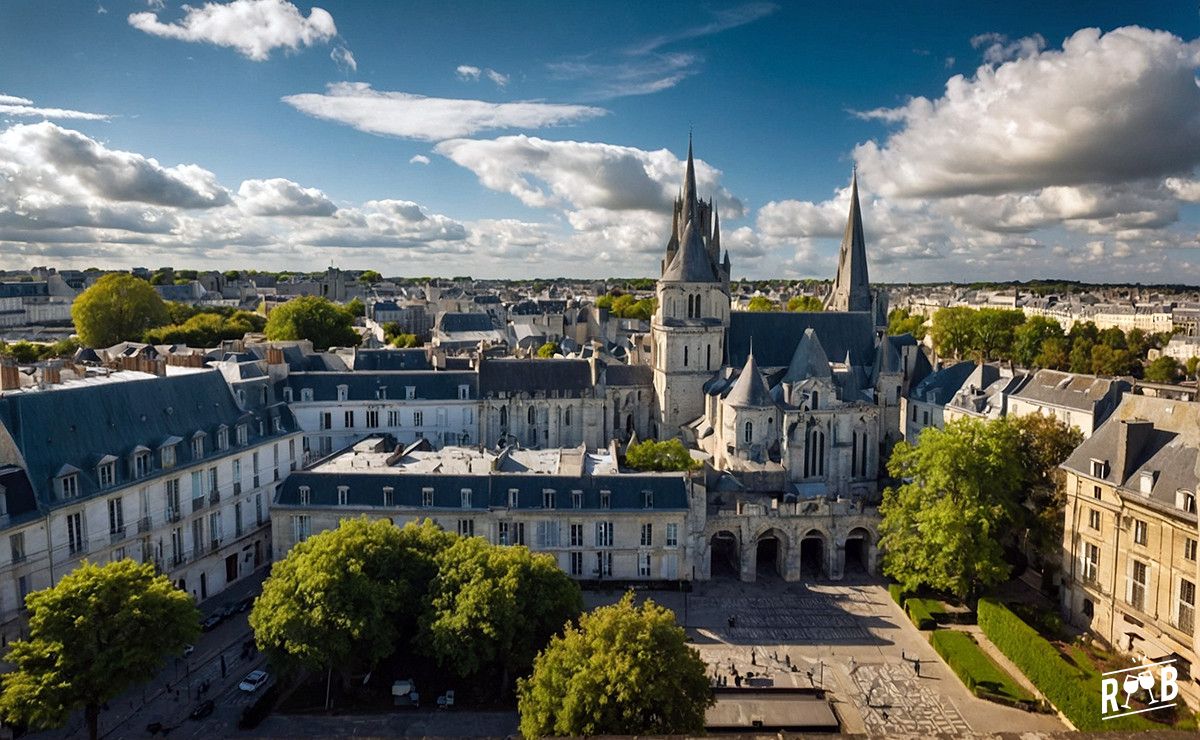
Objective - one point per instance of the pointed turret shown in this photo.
(714, 244)
(691, 263)
(808, 361)
(689, 184)
(851, 287)
(750, 389)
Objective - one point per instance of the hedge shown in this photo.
(897, 592)
(919, 613)
(1073, 689)
(978, 672)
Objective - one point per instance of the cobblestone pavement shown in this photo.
(891, 699)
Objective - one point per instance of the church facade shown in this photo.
(795, 410)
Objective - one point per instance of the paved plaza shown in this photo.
(847, 638)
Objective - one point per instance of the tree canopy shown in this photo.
(625, 306)
(901, 321)
(346, 597)
(316, 319)
(667, 455)
(761, 303)
(624, 670)
(493, 608)
(805, 303)
(118, 307)
(943, 527)
(548, 350)
(1164, 369)
(100, 630)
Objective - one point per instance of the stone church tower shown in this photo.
(688, 328)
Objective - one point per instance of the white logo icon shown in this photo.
(1161, 691)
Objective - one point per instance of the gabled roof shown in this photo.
(809, 360)
(534, 375)
(778, 332)
(440, 385)
(391, 359)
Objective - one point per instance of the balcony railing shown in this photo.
(214, 497)
(174, 515)
(18, 557)
(199, 503)
(237, 488)
(116, 535)
(143, 525)
(216, 544)
(256, 483)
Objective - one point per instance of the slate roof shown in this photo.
(623, 375)
(809, 360)
(75, 426)
(298, 360)
(750, 389)
(487, 491)
(691, 263)
(567, 376)
(391, 359)
(364, 386)
(940, 387)
(778, 333)
(1068, 390)
(18, 495)
(459, 322)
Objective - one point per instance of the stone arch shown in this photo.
(814, 554)
(724, 552)
(771, 554)
(857, 557)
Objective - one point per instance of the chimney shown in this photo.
(1132, 435)
(50, 373)
(10, 375)
(274, 356)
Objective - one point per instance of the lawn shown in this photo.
(977, 670)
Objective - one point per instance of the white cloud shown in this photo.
(467, 72)
(419, 159)
(430, 119)
(11, 105)
(342, 57)
(499, 78)
(280, 197)
(253, 27)
(997, 48)
(1105, 108)
(470, 73)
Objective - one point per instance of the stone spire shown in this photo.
(809, 360)
(750, 389)
(851, 287)
(691, 263)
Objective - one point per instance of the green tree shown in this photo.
(1164, 369)
(668, 455)
(1081, 355)
(100, 630)
(1046, 443)
(23, 351)
(1055, 353)
(315, 319)
(1192, 363)
(1029, 340)
(943, 527)
(953, 331)
(369, 276)
(356, 308)
(1109, 361)
(548, 350)
(625, 670)
(900, 321)
(347, 597)
(116, 308)
(761, 303)
(491, 608)
(405, 341)
(994, 331)
(1112, 337)
(805, 303)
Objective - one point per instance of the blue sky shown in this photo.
(995, 140)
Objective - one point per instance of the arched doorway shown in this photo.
(723, 554)
(858, 549)
(812, 555)
(770, 557)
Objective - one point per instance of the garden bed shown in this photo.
(978, 672)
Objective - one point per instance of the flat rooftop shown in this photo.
(770, 710)
(371, 456)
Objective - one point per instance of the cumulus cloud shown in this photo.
(280, 197)
(1106, 108)
(997, 48)
(419, 159)
(11, 105)
(430, 119)
(470, 73)
(254, 28)
(342, 57)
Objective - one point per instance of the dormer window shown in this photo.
(106, 472)
(343, 495)
(513, 499)
(1146, 482)
(1099, 468)
(305, 394)
(305, 495)
(410, 392)
(241, 397)
(465, 495)
(223, 437)
(1185, 500)
(68, 485)
(427, 497)
(141, 463)
(343, 392)
(605, 499)
(381, 392)
(243, 434)
(647, 499)
(167, 456)
(276, 424)
(389, 496)
(287, 395)
(464, 392)
(198, 446)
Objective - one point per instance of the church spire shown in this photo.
(851, 287)
(689, 186)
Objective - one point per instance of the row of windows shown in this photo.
(381, 393)
(548, 533)
(531, 416)
(394, 418)
(466, 496)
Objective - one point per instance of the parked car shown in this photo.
(245, 604)
(253, 681)
(203, 709)
(227, 610)
(210, 622)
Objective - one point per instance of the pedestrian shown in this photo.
(787, 659)
(917, 666)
